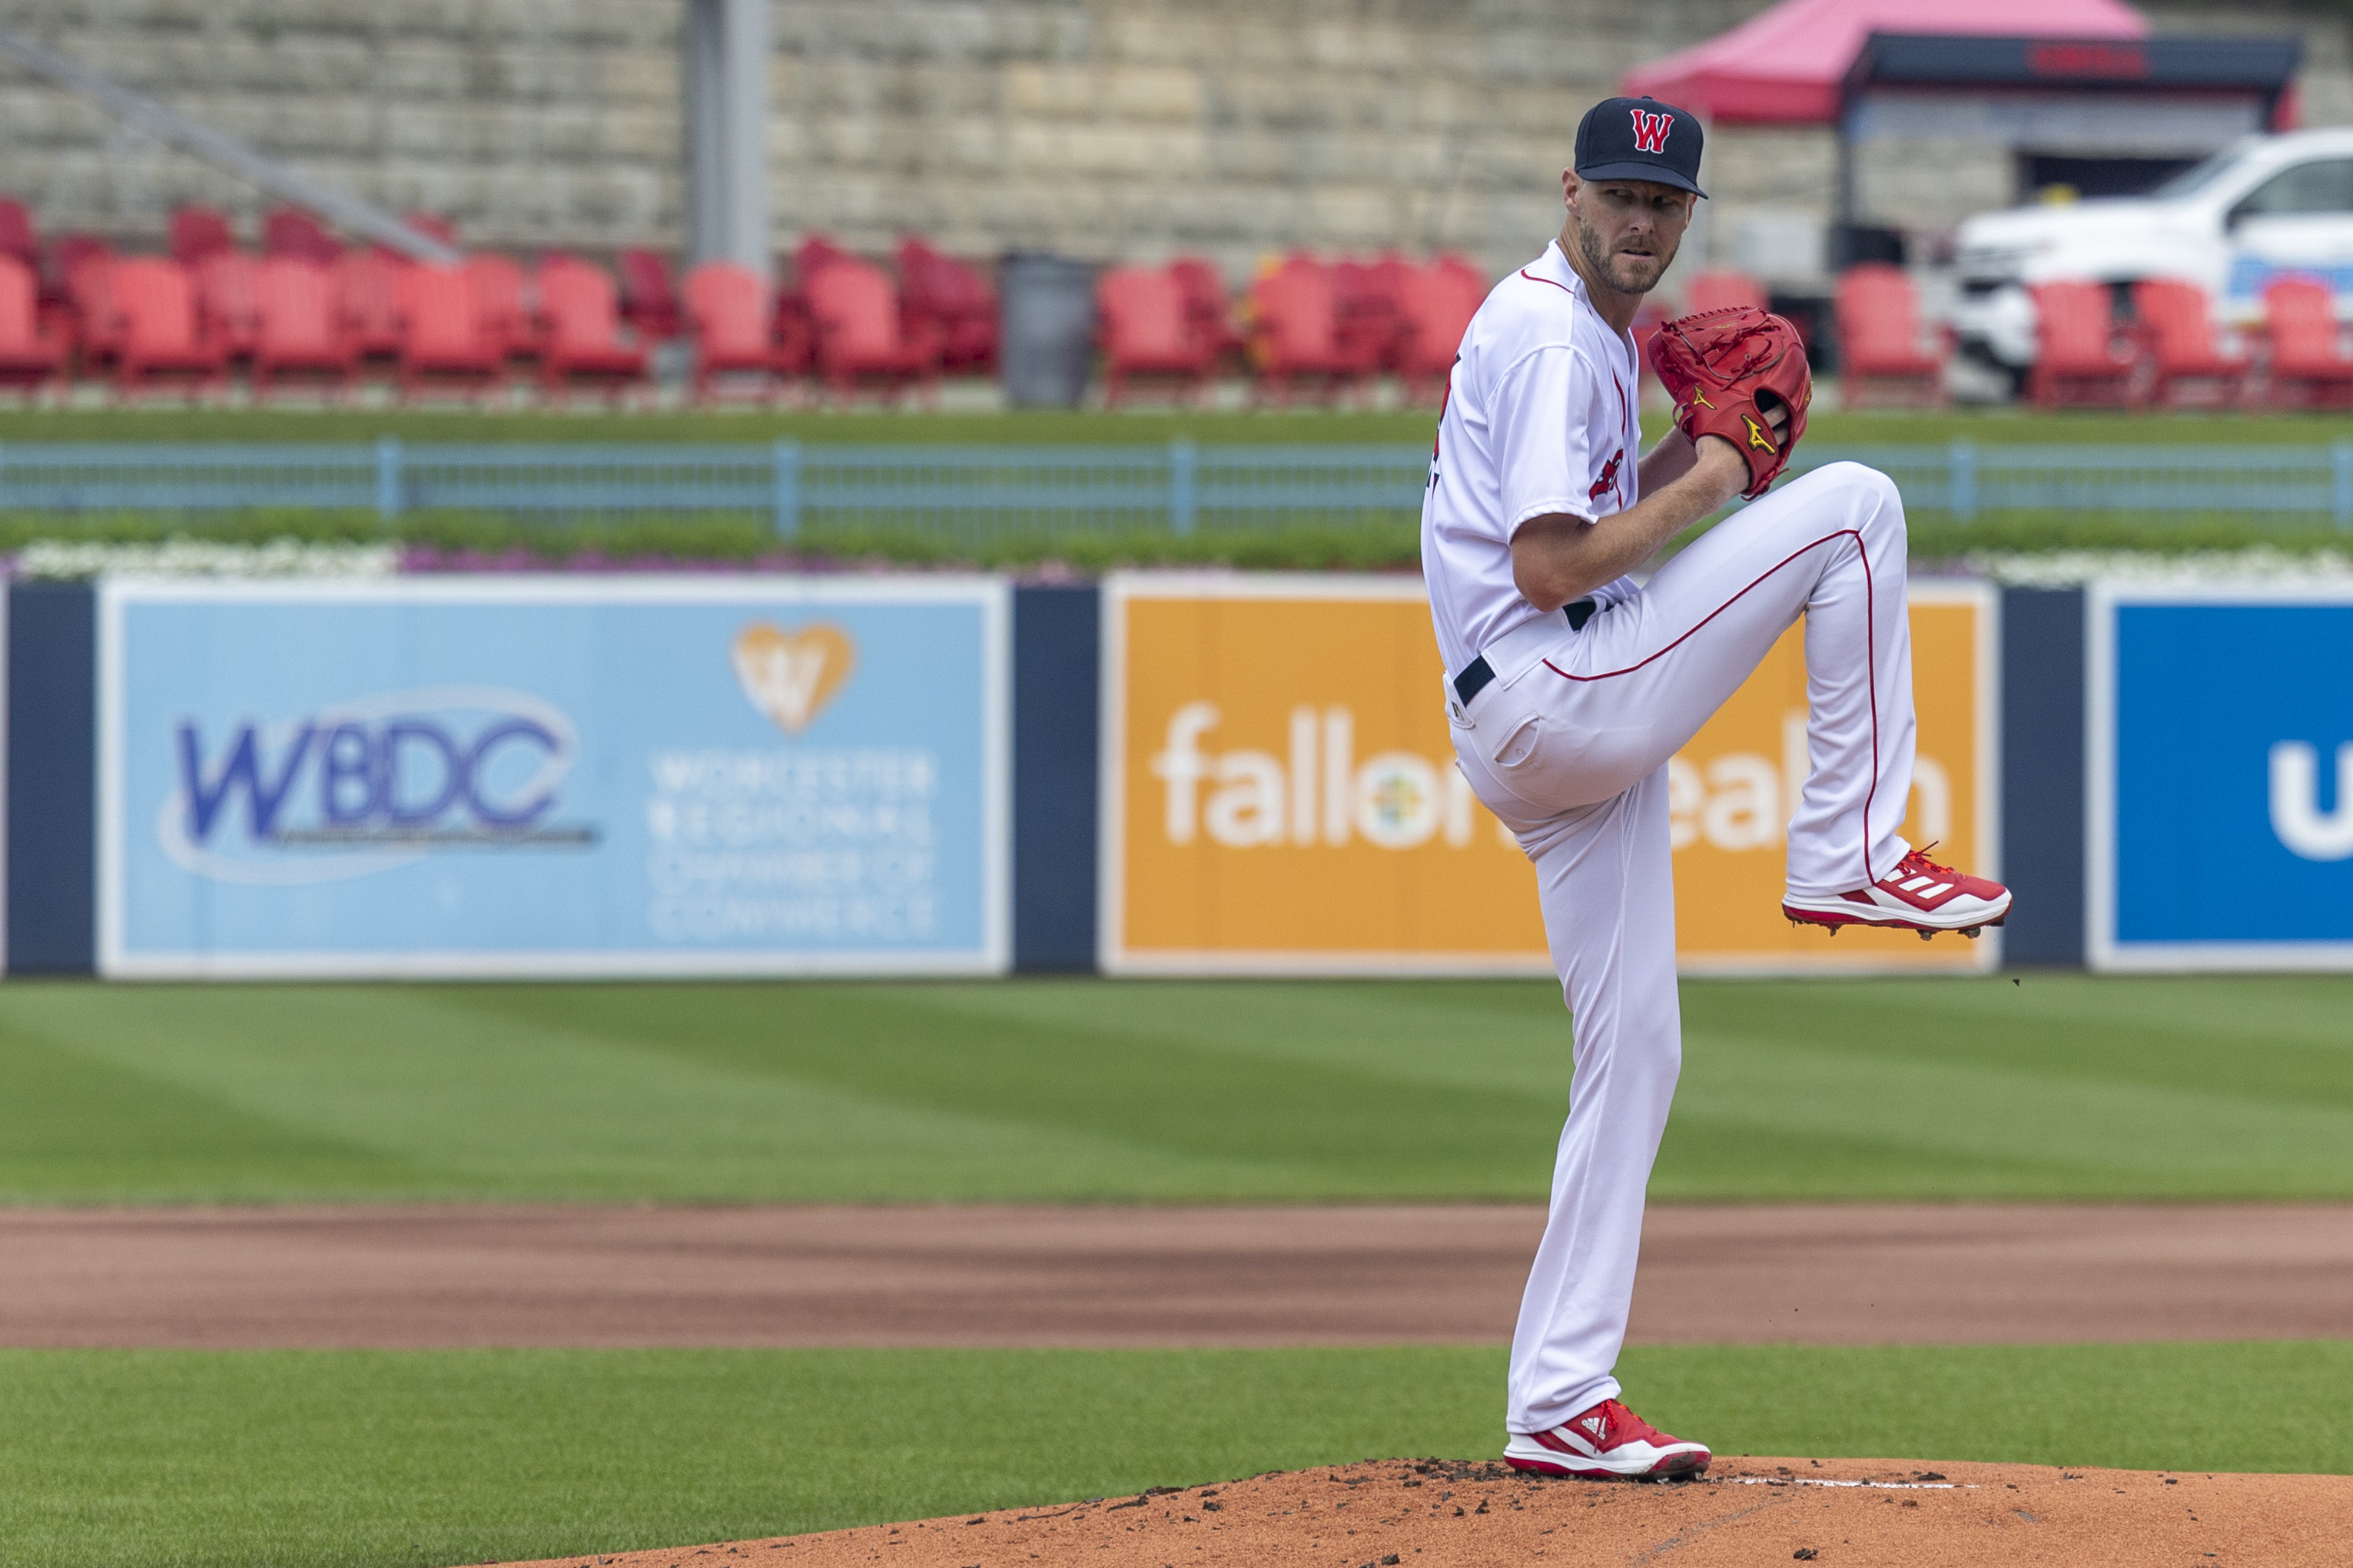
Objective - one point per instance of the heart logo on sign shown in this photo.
(791, 676)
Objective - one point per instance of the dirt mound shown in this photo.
(1407, 1514)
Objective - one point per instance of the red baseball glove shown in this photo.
(1728, 370)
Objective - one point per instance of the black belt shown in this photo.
(1479, 672)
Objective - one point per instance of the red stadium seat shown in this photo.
(1466, 272)
(507, 321)
(950, 300)
(287, 231)
(1436, 303)
(28, 357)
(98, 326)
(441, 334)
(1720, 288)
(161, 339)
(1366, 321)
(2308, 366)
(796, 330)
(228, 302)
(69, 251)
(1148, 331)
(198, 232)
(2192, 365)
(1208, 306)
(2081, 356)
(859, 333)
(1880, 340)
(727, 311)
(368, 285)
(648, 304)
(297, 333)
(584, 331)
(1295, 330)
(814, 253)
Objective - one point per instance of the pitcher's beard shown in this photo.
(1606, 267)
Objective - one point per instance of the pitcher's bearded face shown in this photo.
(1629, 230)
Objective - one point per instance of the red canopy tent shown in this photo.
(1784, 65)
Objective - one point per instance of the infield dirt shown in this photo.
(1430, 1513)
(989, 1276)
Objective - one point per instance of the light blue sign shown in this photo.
(552, 776)
(2221, 779)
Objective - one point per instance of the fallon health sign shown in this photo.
(2221, 777)
(546, 776)
(1281, 796)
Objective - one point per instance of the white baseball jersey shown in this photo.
(1542, 416)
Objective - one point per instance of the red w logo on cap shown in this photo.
(1651, 131)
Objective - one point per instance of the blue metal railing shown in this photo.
(1969, 480)
(1179, 486)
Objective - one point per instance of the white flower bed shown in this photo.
(2067, 568)
(206, 558)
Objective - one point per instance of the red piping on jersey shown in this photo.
(1870, 631)
(1533, 278)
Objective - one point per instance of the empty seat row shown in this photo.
(150, 321)
(2166, 348)
(1304, 324)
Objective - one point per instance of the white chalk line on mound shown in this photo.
(1815, 1481)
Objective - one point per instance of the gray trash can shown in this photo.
(1046, 331)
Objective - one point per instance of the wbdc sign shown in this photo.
(554, 776)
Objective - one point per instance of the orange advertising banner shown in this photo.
(1280, 793)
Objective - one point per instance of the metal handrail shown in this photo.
(1178, 485)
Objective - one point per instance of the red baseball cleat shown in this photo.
(1918, 895)
(1608, 1442)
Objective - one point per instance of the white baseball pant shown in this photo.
(1568, 746)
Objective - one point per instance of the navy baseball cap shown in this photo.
(1639, 139)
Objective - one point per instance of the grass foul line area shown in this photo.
(142, 1460)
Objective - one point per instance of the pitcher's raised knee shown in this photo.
(1873, 494)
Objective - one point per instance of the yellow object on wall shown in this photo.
(1279, 794)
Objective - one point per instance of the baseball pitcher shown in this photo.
(1569, 686)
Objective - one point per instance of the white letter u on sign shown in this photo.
(2296, 816)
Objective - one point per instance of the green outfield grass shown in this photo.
(127, 1459)
(2063, 1087)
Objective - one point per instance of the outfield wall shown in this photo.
(1162, 774)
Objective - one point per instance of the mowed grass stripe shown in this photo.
(90, 1129)
(142, 1460)
(2065, 1086)
(485, 1104)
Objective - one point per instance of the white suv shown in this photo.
(2266, 205)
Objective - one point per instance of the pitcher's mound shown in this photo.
(1407, 1514)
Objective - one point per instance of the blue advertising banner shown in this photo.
(2220, 760)
(552, 776)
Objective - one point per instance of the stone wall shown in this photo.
(1226, 126)
(530, 122)
(1105, 128)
